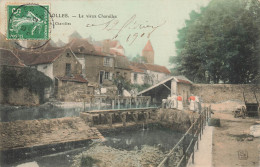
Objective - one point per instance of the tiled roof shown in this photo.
(157, 68)
(183, 79)
(83, 46)
(151, 67)
(76, 78)
(115, 52)
(7, 57)
(135, 69)
(148, 46)
(34, 58)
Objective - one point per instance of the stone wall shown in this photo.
(59, 65)
(19, 97)
(23, 134)
(215, 93)
(176, 119)
(184, 90)
(95, 64)
(73, 91)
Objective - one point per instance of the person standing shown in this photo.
(192, 102)
(174, 101)
(179, 102)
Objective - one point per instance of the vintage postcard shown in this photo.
(129, 83)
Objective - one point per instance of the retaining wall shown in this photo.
(215, 93)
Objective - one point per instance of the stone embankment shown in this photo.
(104, 156)
(176, 119)
(24, 134)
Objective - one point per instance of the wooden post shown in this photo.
(210, 111)
(113, 104)
(193, 137)
(184, 149)
(99, 104)
(130, 102)
(207, 114)
(145, 117)
(118, 103)
(109, 119)
(123, 118)
(99, 118)
(84, 106)
(193, 155)
(200, 126)
(135, 116)
(147, 103)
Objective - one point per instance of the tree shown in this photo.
(139, 59)
(220, 43)
(35, 81)
(122, 84)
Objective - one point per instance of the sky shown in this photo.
(135, 22)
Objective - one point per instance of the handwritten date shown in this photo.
(141, 30)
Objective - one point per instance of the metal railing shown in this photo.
(185, 148)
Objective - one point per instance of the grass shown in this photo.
(88, 161)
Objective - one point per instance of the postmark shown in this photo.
(28, 22)
(242, 154)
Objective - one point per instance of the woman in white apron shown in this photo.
(179, 102)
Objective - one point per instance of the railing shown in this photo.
(118, 102)
(185, 148)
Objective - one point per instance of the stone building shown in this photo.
(122, 67)
(14, 96)
(101, 60)
(148, 52)
(148, 73)
(98, 67)
(137, 75)
(62, 66)
(179, 85)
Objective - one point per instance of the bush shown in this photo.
(35, 81)
(87, 161)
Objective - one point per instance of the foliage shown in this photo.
(139, 59)
(220, 43)
(122, 84)
(140, 87)
(88, 161)
(29, 78)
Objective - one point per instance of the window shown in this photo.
(135, 77)
(106, 75)
(106, 61)
(68, 54)
(101, 73)
(68, 69)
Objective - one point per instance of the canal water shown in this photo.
(130, 138)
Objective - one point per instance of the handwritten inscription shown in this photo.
(141, 30)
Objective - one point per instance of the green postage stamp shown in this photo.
(28, 22)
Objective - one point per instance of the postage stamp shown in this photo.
(28, 22)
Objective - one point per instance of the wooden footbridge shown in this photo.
(110, 110)
(111, 116)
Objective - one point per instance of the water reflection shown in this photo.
(124, 139)
(154, 135)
